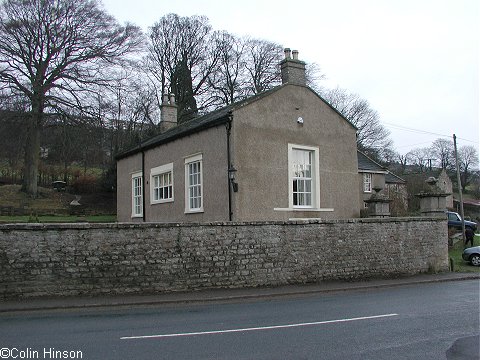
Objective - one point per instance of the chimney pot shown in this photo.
(292, 70)
(168, 112)
(165, 99)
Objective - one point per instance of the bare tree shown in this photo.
(372, 137)
(207, 69)
(262, 59)
(250, 66)
(420, 157)
(51, 51)
(468, 161)
(183, 53)
(404, 161)
(228, 83)
(442, 150)
(388, 156)
(314, 76)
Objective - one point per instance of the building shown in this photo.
(376, 178)
(283, 154)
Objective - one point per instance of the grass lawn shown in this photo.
(47, 200)
(58, 219)
(50, 205)
(460, 265)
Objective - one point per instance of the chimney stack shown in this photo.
(168, 112)
(293, 70)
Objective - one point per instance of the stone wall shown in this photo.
(90, 259)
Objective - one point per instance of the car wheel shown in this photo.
(475, 260)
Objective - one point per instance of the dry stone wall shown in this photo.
(92, 259)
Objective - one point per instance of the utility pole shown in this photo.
(459, 187)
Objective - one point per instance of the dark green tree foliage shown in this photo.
(208, 69)
(182, 88)
(183, 53)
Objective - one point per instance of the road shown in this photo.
(406, 322)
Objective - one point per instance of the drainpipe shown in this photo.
(229, 165)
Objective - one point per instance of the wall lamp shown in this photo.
(231, 177)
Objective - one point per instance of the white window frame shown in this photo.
(315, 179)
(161, 171)
(197, 158)
(367, 182)
(137, 182)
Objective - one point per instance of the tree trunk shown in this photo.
(32, 150)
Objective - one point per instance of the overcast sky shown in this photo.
(415, 61)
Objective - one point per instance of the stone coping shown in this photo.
(148, 225)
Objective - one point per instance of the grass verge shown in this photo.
(460, 265)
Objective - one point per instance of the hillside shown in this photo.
(50, 202)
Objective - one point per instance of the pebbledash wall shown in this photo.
(120, 258)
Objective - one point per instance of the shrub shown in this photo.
(85, 184)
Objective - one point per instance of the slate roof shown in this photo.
(212, 119)
(391, 178)
(367, 164)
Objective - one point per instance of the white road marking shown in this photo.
(258, 328)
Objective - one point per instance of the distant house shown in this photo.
(374, 176)
(283, 154)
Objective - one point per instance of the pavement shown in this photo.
(222, 295)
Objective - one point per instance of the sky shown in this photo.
(415, 61)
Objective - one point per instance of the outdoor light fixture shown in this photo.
(231, 172)
(231, 176)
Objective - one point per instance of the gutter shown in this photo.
(216, 295)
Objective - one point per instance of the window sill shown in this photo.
(196, 211)
(154, 202)
(305, 209)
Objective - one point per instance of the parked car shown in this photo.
(472, 255)
(455, 221)
(59, 185)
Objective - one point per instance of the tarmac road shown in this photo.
(423, 320)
